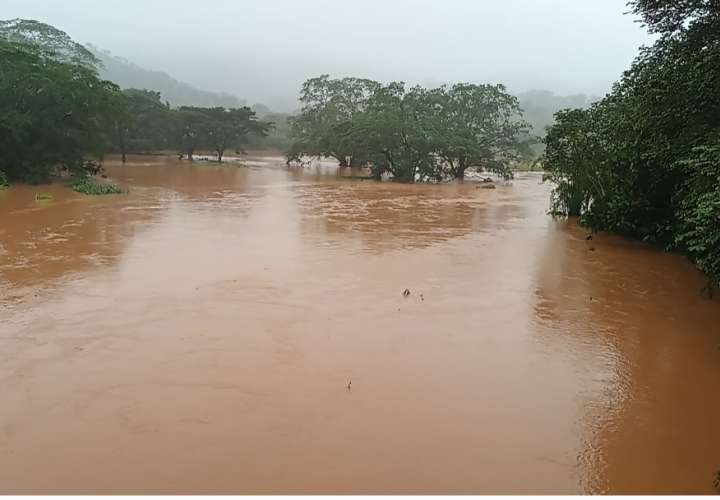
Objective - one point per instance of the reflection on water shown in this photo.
(197, 335)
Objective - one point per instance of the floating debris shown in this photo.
(406, 292)
(40, 197)
(349, 384)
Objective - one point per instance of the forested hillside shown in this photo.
(131, 76)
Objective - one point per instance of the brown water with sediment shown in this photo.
(197, 336)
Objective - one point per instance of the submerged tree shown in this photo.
(226, 128)
(326, 105)
(391, 133)
(190, 124)
(410, 134)
(476, 126)
(142, 122)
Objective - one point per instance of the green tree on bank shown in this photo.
(53, 115)
(644, 162)
(57, 115)
(141, 122)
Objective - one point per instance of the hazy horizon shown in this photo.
(263, 51)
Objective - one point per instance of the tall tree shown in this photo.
(225, 128)
(52, 114)
(477, 126)
(326, 104)
(391, 132)
(141, 122)
(189, 124)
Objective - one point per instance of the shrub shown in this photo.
(87, 185)
(698, 214)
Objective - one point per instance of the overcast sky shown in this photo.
(262, 50)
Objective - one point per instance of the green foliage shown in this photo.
(217, 129)
(52, 114)
(668, 17)
(410, 134)
(698, 209)
(327, 104)
(141, 122)
(86, 185)
(644, 161)
(226, 128)
(476, 125)
(48, 40)
(3, 180)
(277, 136)
(391, 133)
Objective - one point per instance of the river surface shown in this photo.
(198, 334)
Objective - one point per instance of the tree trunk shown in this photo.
(121, 139)
(460, 171)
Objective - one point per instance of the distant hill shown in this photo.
(129, 75)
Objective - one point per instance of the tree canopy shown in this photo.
(327, 104)
(52, 114)
(643, 161)
(410, 134)
(49, 40)
(56, 114)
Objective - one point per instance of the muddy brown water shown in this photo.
(197, 336)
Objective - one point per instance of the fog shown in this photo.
(263, 50)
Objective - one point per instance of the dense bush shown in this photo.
(53, 114)
(86, 185)
(644, 161)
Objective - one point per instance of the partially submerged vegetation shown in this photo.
(43, 197)
(410, 134)
(644, 162)
(56, 114)
(87, 185)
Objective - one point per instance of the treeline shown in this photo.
(645, 160)
(410, 134)
(56, 114)
(145, 123)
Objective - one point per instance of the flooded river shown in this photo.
(198, 335)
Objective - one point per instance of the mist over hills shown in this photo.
(538, 105)
(129, 75)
